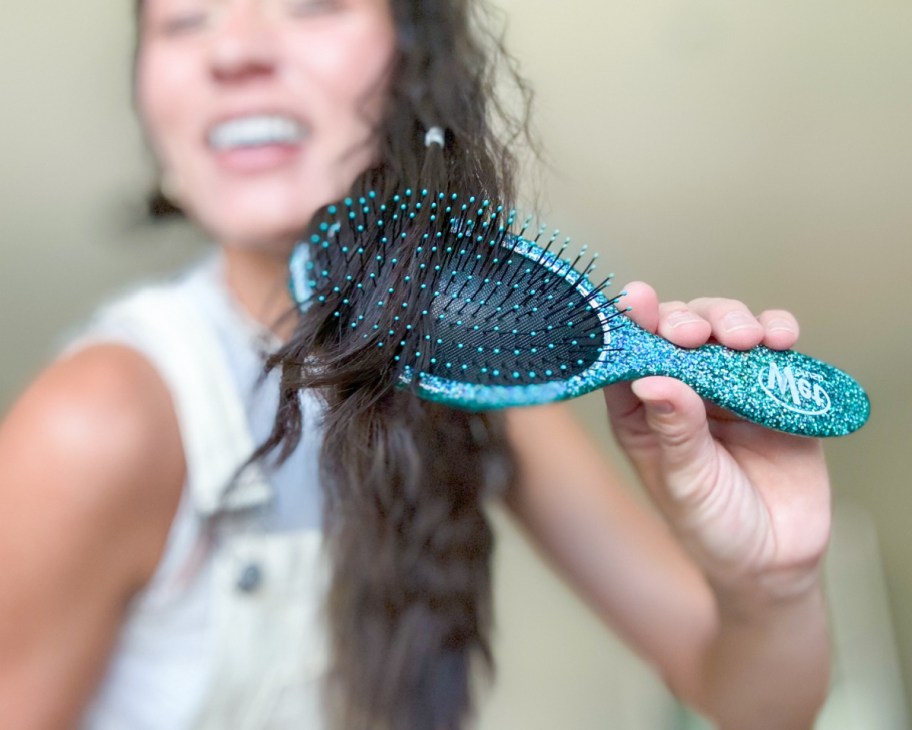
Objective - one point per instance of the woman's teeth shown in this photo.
(256, 132)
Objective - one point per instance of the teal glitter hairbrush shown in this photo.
(480, 311)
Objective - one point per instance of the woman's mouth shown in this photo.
(256, 131)
(256, 142)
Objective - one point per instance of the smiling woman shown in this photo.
(163, 579)
(260, 113)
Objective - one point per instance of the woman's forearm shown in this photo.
(768, 664)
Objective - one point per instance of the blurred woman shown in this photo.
(151, 584)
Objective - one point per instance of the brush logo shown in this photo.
(799, 392)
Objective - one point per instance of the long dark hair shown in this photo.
(409, 604)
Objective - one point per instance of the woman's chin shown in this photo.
(241, 229)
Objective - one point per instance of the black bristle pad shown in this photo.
(515, 323)
(434, 280)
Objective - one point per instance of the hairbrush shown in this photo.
(479, 310)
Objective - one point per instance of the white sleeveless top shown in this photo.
(228, 633)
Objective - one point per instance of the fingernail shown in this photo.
(661, 408)
(676, 319)
(735, 321)
(779, 325)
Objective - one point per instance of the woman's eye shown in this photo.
(312, 7)
(184, 23)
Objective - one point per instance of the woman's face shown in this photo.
(261, 111)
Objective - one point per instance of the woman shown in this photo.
(142, 591)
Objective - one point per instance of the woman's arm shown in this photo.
(726, 600)
(91, 469)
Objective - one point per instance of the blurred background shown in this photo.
(760, 150)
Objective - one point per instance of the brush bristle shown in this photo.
(460, 288)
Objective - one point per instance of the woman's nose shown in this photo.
(244, 46)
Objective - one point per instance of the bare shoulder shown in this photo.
(91, 471)
(94, 444)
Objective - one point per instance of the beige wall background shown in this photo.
(752, 149)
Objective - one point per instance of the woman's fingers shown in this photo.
(692, 324)
(643, 304)
(732, 323)
(676, 417)
(726, 321)
(679, 324)
(780, 329)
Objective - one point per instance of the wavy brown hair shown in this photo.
(409, 604)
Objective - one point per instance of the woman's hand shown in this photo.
(731, 612)
(751, 505)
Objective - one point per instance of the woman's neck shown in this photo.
(258, 280)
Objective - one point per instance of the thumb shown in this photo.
(676, 415)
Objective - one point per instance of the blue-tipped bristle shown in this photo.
(474, 305)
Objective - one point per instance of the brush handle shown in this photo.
(784, 390)
(779, 389)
